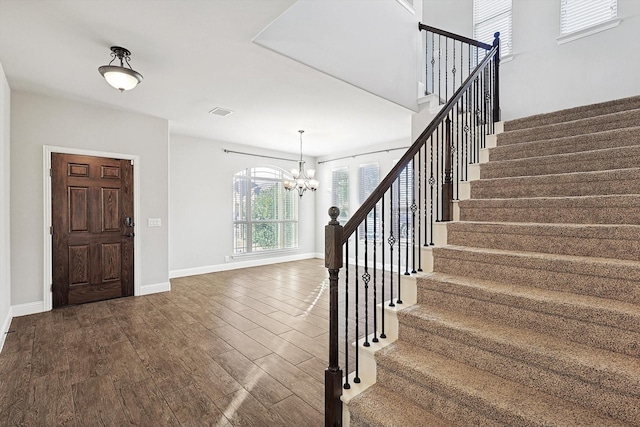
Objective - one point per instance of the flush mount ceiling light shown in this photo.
(302, 180)
(119, 76)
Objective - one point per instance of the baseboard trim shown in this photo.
(27, 309)
(5, 328)
(239, 264)
(155, 288)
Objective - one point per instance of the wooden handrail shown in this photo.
(458, 37)
(360, 215)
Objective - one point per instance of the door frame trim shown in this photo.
(48, 244)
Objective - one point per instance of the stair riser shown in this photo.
(437, 398)
(556, 243)
(605, 183)
(569, 144)
(571, 114)
(602, 160)
(569, 211)
(513, 364)
(593, 128)
(595, 335)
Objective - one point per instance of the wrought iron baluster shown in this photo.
(382, 333)
(406, 220)
(432, 182)
(391, 241)
(375, 275)
(356, 378)
(365, 279)
(399, 300)
(433, 63)
(419, 213)
(414, 208)
(446, 69)
(346, 316)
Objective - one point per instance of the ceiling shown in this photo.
(194, 55)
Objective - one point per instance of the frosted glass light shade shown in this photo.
(120, 78)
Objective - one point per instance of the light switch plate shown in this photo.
(154, 222)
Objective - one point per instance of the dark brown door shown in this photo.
(92, 218)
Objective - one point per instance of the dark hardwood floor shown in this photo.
(238, 348)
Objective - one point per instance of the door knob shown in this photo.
(129, 235)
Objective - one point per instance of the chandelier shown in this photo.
(119, 76)
(302, 180)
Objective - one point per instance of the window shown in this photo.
(265, 215)
(489, 17)
(576, 15)
(369, 179)
(340, 192)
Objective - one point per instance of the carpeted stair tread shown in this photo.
(496, 398)
(608, 278)
(575, 113)
(607, 324)
(574, 128)
(373, 408)
(585, 240)
(603, 139)
(602, 209)
(586, 308)
(597, 379)
(585, 161)
(597, 366)
(591, 183)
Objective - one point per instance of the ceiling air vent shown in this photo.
(222, 112)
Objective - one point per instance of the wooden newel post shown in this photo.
(496, 81)
(333, 374)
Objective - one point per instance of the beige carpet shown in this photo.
(532, 314)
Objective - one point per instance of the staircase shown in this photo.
(531, 316)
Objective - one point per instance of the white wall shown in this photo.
(544, 76)
(5, 248)
(201, 189)
(38, 120)
(373, 45)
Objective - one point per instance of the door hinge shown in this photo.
(51, 230)
(51, 288)
(50, 172)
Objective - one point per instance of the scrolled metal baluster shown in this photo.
(391, 240)
(414, 209)
(432, 182)
(366, 277)
(382, 333)
(419, 213)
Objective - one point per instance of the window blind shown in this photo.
(369, 179)
(489, 17)
(576, 15)
(340, 192)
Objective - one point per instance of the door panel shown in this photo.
(92, 241)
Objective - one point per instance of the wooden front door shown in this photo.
(92, 218)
